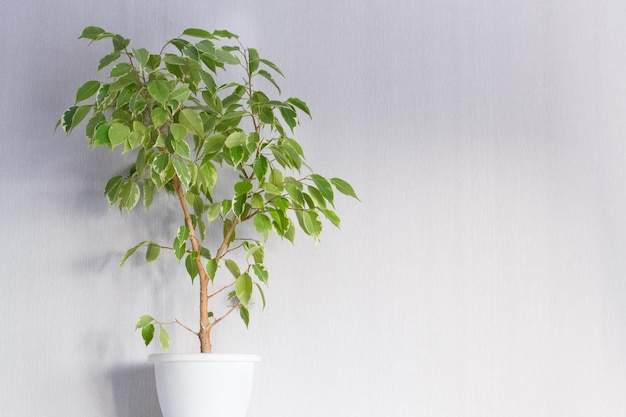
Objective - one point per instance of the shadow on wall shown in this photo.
(134, 391)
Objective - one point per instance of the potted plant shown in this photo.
(192, 120)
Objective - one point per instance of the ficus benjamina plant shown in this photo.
(184, 116)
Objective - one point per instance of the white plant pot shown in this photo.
(204, 384)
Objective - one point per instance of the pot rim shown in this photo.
(203, 357)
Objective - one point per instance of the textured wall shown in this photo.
(482, 275)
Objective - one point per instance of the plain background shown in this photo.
(482, 274)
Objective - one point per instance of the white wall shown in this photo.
(482, 275)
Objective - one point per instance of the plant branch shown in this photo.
(237, 304)
(222, 289)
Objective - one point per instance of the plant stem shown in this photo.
(205, 325)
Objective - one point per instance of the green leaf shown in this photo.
(112, 189)
(164, 338)
(232, 267)
(149, 190)
(290, 117)
(143, 320)
(272, 66)
(106, 60)
(323, 185)
(120, 70)
(269, 78)
(253, 60)
(211, 268)
(243, 288)
(260, 167)
(310, 223)
(226, 57)
(332, 217)
(261, 273)
(182, 172)
(261, 292)
(118, 133)
(131, 251)
(87, 90)
(147, 332)
(159, 116)
(263, 225)
(178, 131)
(159, 90)
(191, 266)
(244, 314)
(180, 243)
(198, 33)
(181, 94)
(141, 55)
(222, 33)
(343, 187)
(152, 252)
(192, 121)
(182, 148)
(129, 195)
(235, 139)
(299, 104)
(92, 32)
(213, 211)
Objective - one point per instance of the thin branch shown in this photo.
(221, 289)
(176, 321)
(227, 313)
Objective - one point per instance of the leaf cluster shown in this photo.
(182, 126)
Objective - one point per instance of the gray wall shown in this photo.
(482, 275)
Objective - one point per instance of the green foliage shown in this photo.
(167, 115)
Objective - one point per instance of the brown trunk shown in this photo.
(205, 326)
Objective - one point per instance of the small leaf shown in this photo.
(159, 116)
(178, 131)
(198, 33)
(269, 78)
(182, 171)
(143, 320)
(159, 91)
(112, 189)
(129, 195)
(243, 288)
(131, 251)
(118, 134)
(152, 252)
(120, 70)
(147, 332)
(91, 32)
(310, 223)
(324, 187)
(272, 66)
(261, 273)
(263, 225)
(244, 314)
(191, 266)
(253, 60)
(213, 211)
(87, 90)
(192, 121)
(164, 338)
(141, 55)
(235, 139)
(260, 167)
(299, 104)
(211, 268)
(232, 267)
(106, 60)
(181, 94)
(343, 187)
(261, 292)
